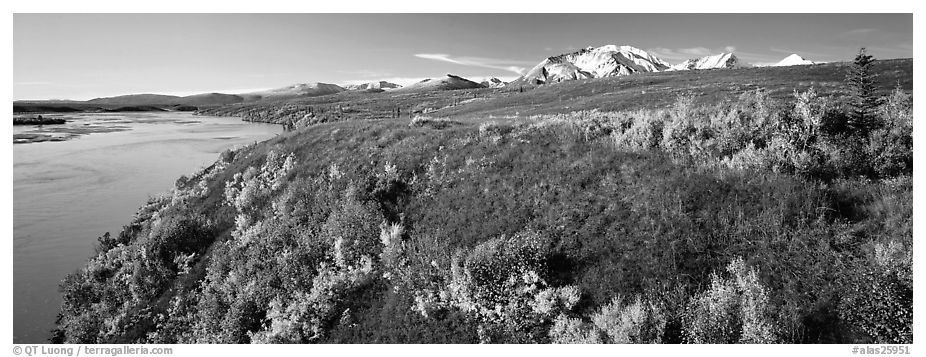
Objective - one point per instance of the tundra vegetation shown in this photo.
(752, 219)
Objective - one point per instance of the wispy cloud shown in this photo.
(493, 63)
(681, 54)
(365, 73)
(485, 78)
(695, 51)
(858, 32)
(870, 37)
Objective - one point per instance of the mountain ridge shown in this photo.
(720, 61)
(593, 62)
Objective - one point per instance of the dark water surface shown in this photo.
(68, 193)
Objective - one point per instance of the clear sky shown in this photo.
(82, 56)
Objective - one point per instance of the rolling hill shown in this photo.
(299, 90)
(641, 90)
(448, 82)
(676, 207)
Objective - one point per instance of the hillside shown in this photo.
(159, 102)
(205, 99)
(209, 99)
(137, 99)
(132, 102)
(703, 213)
(448, 82)
(294, 91)
(637, 91)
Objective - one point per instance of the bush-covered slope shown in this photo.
(752, 220)
(632, 92)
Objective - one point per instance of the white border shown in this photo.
(478, 6)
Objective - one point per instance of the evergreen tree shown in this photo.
(862, 101)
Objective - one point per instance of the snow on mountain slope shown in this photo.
(723, 60)
(493, 83)
(372, 85)
(592, 62)
(792, 60)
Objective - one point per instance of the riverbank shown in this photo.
(68, 193)
(38, 120)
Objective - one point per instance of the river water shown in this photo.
(68, 193)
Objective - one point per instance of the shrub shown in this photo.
(637, 322)
(643, 131)
(890, 147)
(433, 123)
(493, 128)
(688, 132)
(306, 316)
(353, 229)
(571, 330)
(501, 283)
(733, 310)
(878, 294)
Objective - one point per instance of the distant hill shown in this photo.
(210, 99)
(167, 100)
(137, 99)
(450, 82)
(159, 102)
(294, 91)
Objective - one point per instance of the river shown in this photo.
(68, 193)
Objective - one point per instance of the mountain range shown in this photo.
(591, 62)
(380, 85)
(723, 60)
(614, 61)
(586, 63)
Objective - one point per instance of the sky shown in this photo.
(84, 56)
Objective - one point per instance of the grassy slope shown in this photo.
(615, 223)
(653, 90)
(641, 91)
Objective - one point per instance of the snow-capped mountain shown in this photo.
(446, 83)
(723, 60)
(792, 60)
(592, 62)
(372, 85)
(493, 83)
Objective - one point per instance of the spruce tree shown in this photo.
(862, 101)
